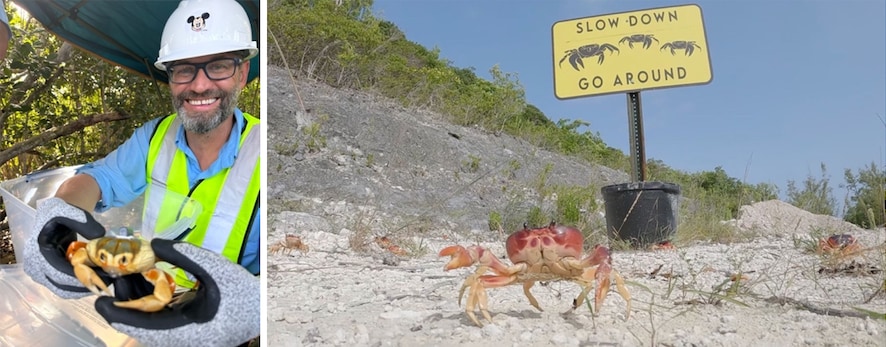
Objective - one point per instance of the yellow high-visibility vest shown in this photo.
(229, 200)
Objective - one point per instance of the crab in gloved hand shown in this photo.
(119, 257)
(548, 253)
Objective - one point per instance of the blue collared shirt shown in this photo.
(4, 21)
(121, 175)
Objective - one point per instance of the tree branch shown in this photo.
(59, 131)
(824, 311)
(29, 91)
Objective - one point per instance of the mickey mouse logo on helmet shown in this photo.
(198, 22)
(187, 35)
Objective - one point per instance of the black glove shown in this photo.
(56, 225)
(225, 310)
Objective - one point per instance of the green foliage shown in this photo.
(314, 140)
(471, 165)
(573, 203)
(713, 192)
(336, 44)
(494, 105)
(701, 219)
(511, 170)
(536, 217)
(865, 200)
(816, 196)
(761, 192)
(570, 206)
(541, 181)
(287, 149)
(562, 204)
(495, 221)
(46, 84)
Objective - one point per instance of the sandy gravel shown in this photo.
(335, 296)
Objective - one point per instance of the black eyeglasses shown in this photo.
(216, 70)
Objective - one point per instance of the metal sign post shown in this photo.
(635, 127)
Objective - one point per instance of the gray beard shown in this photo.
(204, 122)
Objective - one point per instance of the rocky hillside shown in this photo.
(354, 160)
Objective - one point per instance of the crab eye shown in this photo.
(102, 256)
(123, 260)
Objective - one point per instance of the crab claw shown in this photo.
(79, 259)
(91, 280)
(461, 257)
(600, 255)
(604, 281)
(164, 286)
(602, 273)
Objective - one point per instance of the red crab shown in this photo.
(549, 253)
(663, 245)
(838, 245)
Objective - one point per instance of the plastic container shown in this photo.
(21, 195)
(31, 315)
(642, 213)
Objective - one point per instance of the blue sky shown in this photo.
(795, 83)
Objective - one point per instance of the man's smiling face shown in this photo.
(203, 104)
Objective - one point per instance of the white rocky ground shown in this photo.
(335, 296)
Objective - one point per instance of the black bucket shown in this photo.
(642, 213)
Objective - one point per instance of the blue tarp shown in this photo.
(125, 32)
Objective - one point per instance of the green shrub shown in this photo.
(495, 222)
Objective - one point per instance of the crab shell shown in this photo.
(525, 246)
(838, 241)
(120, 257)
(839, 245)
(550, 253)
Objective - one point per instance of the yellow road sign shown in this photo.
(630, 51)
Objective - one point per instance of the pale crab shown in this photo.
(118, 257)
(839, 246)
(290, 242)
(548, 253)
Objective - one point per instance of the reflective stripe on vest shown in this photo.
(229, 199)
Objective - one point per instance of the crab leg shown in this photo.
(623, 291)
(603, 282)
(585, 287)
(163, 288)
(600, 271)
(477, 283)
(602, 275)
(477, 294)
(529, 296)
(470, 282)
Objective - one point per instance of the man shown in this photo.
(5, 34)
(209, 151)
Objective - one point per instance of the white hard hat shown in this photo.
(205, 27)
